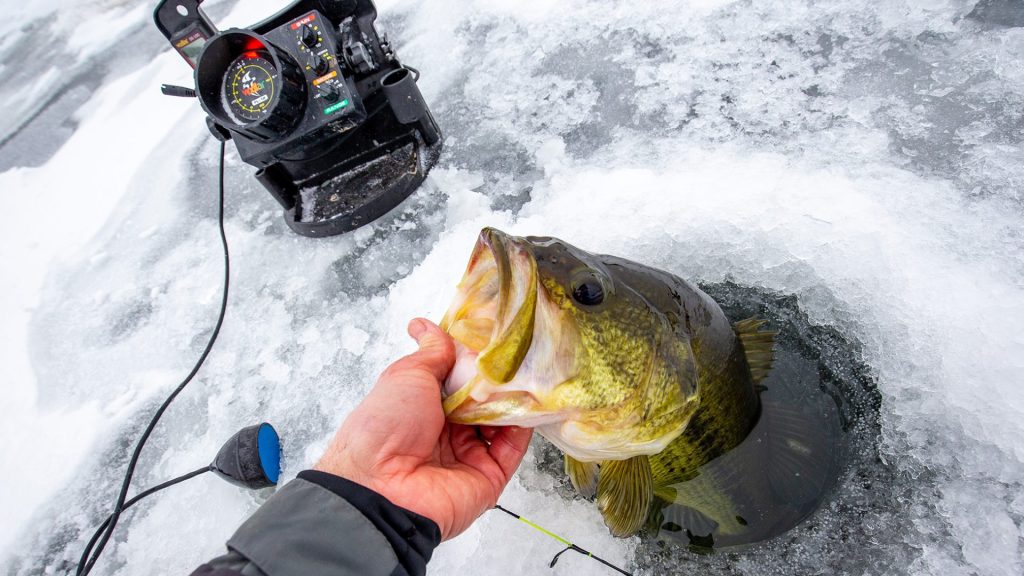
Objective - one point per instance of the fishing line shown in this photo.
(84, 567)
(568, 545)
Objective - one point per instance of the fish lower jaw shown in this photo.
(514, 408)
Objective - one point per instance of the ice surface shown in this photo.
(864, 157)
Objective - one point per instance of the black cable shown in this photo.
(128, 504)
(120, 505)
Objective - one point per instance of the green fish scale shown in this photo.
(632, 365)
(727, 412)
(727, 405)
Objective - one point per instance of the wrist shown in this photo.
(338, 463)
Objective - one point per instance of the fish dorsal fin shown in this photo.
(758, 346)
(625, 490)
(583, 475)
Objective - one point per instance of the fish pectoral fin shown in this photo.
(583, 475)
(758, 346)
(625, 490)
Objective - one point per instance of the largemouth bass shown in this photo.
(633, 373)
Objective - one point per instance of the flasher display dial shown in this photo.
(250, 87)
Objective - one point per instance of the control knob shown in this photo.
(329, 93)
(308, 36)
(320, 65)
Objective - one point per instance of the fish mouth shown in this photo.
(491, 320)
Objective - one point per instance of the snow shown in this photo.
(862, 156)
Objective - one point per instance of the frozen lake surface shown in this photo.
(860, 161)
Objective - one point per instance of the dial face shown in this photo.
(250, 86)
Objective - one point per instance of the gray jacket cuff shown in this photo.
(307, 529)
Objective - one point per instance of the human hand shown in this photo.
(398, 443)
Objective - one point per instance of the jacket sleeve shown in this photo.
(326, 525)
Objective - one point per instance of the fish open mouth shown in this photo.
(492, 322)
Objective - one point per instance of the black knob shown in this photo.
(329, 93)
(309, 37)
(320, 66)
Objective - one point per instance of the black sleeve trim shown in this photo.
(413, 537)
(230, 564)
(207, 570)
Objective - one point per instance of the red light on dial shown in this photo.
(254, 44)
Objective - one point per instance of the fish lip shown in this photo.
(506, 252)
(500, 244)
(517, 305)
(493, 242)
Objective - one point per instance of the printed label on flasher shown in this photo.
(335, 107)
(325, 78)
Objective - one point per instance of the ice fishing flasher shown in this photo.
(317, 101)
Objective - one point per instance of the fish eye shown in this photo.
(588, 292)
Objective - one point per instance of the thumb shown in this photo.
(437, 350)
